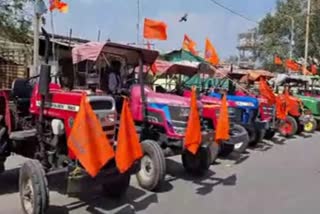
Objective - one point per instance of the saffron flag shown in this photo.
(223, 125)
(58, 5)
(154, 29)
(305, 71)
(91, 148)
(277, 60)
(189, 45)
(193, 135)
(292, 65)
(267, 92)
(211, 53)
(128, 147)
(314, 69)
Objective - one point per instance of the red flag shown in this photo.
(277, 60)
(92, 148)
(292, 65)
(154, 29)
(128, 148)
(58, 5)
(193, 134)
(189, 45)
(211, 53)
(223, 125)
(267, 92)
(314, 69)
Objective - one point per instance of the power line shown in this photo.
(233, 11)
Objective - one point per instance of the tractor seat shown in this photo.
(21, 92)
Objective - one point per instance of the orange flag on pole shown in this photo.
(91, 148)
(211, 53)
(292, 65)
(267, 92)
(58, 5)
(128, 147)
(314, 69)
(223, 125)
(154, 29)
(193, 135)
(277, 60)
(189, 45)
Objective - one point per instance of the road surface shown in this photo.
(279, 178)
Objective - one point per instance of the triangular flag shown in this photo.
(128, 147)
(223, 124)
(189, 45)
(193, 134)
(91, 148)
(277, 60)
(267, 92)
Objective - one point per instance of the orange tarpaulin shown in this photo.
(154, 29)
(277, 60)
(91, 148)
(223, 125)
(189, 45)
(193, 135)
(267, 92)
(292, 65)
(211, 53)
(58, 5)
(128, 148)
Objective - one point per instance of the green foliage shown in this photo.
(15, 19)
(275, 32)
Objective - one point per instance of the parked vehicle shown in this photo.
(161, 119)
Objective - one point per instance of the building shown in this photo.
(247, 47)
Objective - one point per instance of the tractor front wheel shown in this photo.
(226, 149)
(270, 133)
(153, 166)
(288, 127)
(310, 126)
(33, 187)
(241, 147)
(199, 163)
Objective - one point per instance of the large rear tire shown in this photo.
(117, 188)
(153, 166)
(240, 147)
(288, 127)
(255, 135)
(226, 150)
(199, 163)
(33, 187)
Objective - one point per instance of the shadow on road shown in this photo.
(262, 147)
(205, 183)
(279, 140)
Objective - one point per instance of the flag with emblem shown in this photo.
(211, 53)
(91, 148)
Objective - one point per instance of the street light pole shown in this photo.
(292, 35)
(36, 26)
(306, 50)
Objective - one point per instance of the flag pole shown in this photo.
(36, 26)
(138, 22)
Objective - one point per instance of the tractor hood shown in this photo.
(311, 103)
(240, 101)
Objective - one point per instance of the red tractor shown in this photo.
(35, 122)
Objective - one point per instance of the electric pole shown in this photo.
(36, 28)
(306, 50)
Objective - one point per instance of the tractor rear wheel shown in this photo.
(153, 166)
(33, 187)
(226, 149)
(310, 126)
(117, 188)
(199, 163)
(288, 127)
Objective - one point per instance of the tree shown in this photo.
(274, 30)
(15, 20)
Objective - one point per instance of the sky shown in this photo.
(117, 20)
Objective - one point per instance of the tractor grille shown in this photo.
(179, 118)
(267, 112)
(234, 114)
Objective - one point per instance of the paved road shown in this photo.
(278, 178)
